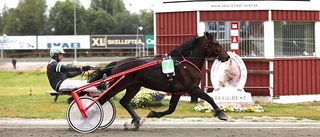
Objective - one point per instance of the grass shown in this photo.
(22, 95)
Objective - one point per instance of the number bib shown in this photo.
(167, 66)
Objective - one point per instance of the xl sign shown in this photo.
(63, 45)
(116, 41)
(99, 42)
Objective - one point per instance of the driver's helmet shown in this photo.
(56, 50)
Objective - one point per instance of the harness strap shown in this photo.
(185, 60)
(171, 85)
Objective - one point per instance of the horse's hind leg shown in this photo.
(218, 112)
(131, 91)
(172, 107)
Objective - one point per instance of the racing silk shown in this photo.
(57, 73)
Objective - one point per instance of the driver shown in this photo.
(59, 74)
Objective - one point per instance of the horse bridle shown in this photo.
(209, 44)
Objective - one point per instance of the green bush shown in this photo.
(145, 97)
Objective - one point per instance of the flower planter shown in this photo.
(154, 103)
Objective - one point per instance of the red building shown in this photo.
(277, 41)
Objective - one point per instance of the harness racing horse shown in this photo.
(189, 58)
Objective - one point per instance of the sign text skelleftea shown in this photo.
(116, 41)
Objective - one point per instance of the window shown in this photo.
(294, 39)
(251, 36)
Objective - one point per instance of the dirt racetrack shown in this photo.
(164, 132)
(190, 127)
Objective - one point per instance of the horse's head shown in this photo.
(214, 49)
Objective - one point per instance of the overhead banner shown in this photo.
(64, 41)
(18, 42)
(116, 41)
(180, 1)
(223, 5)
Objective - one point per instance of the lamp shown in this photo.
(137, 44)
(75, 30)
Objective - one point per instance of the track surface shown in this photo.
(163, 128)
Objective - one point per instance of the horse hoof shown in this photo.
(135, 128)
(126, 126)
(151, 114)
(221, 115)
(136, 125)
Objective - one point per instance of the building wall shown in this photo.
(258, 77)
(293, 15)
(296, 76)
(172, 29)
(292, 76)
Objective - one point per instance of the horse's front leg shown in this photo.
(172, 107)
(125, 100)
(218, 112)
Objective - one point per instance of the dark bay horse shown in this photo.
(189, 56)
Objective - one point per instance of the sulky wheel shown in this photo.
(85, 125)
(109, 116)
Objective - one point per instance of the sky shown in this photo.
(132, 5)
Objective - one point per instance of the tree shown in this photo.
(99, 22)
(3, 17)
(126, 23)
(118, 7)
(61, 18)
(27, 19)
(1, 23)
(30, 18)
(102, 4)
(146, 17)
(110, 6)
(13, 24)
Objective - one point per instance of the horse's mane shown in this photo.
(185, 48)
